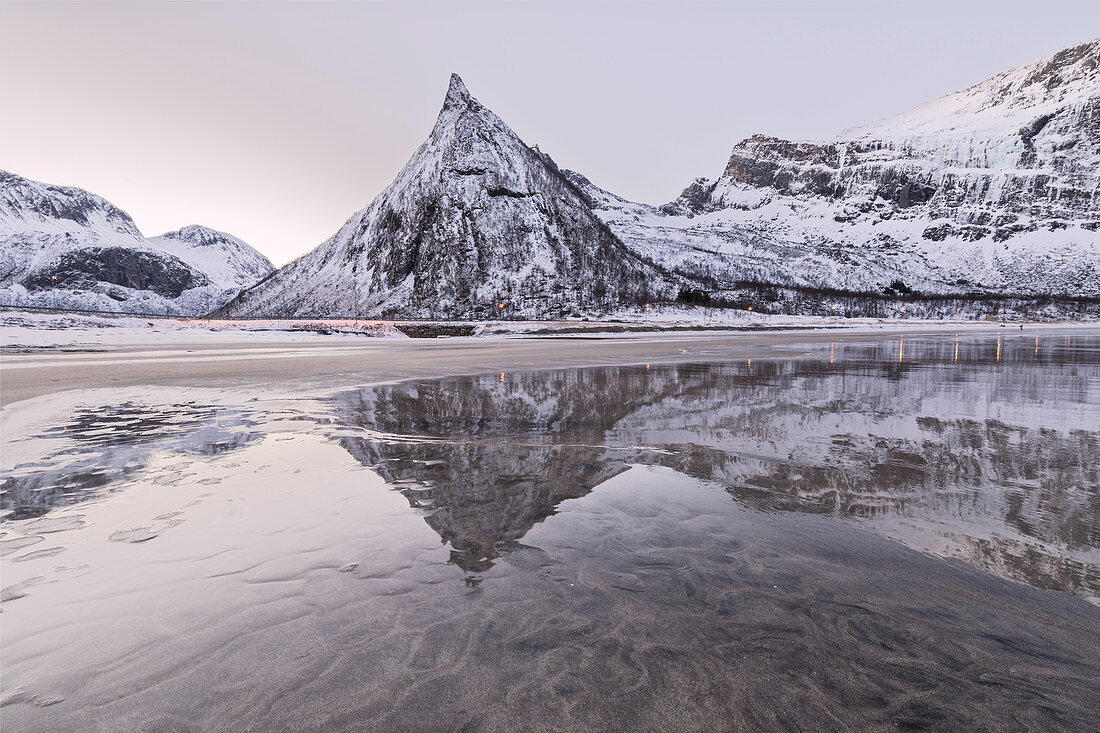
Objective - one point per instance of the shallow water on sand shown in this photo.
(880, 535)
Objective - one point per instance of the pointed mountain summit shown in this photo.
(475, 219)
(457, 93)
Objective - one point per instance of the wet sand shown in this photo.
(856, 533)
(28, 373)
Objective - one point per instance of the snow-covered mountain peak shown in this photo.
(477, 224)
(226, 260)
(199, 236)
(1070, 70)
(470, 143)
(987, 190)
(458, 96)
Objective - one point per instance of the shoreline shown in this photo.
(269, 359)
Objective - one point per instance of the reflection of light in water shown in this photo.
(1036, 355)
(956, 349)
(998, 348)
(750, 363)
(502, 376)
(901, 349)
(647, 367)
(830, 353)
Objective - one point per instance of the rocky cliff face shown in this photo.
(477, 224)
(991, 189)
(64, 247)
(134, 269)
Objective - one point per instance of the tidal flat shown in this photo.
(875, 533)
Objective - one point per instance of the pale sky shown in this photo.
(275, 122)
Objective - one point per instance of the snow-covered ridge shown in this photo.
(1068, 80)
(989, 190)
(65, 247)
(29, 206)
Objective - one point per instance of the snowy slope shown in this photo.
(992, 189)
(475, 220)
(65, 247)
(223, 258)
(1027, 117)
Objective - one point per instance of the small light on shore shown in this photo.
(750, 307)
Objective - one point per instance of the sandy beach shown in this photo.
(225, 359)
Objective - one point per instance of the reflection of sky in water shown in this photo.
(959, 447)
(98, 446)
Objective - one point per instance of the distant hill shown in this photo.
(67, 248)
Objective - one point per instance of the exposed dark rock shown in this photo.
(966, 233)
(695, 199)
(84, 269)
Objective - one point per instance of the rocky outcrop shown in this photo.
(83, 269)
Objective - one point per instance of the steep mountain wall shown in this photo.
(988, 190)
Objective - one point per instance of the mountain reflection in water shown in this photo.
(987, 451)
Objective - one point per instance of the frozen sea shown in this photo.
(896, 533)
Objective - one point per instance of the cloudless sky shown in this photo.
(277, 121)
